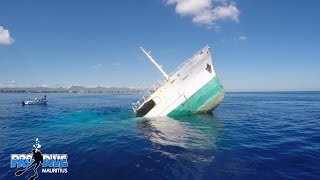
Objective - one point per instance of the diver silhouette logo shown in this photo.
(38, 159)
(50, 163)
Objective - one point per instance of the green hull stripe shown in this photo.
(207, 94)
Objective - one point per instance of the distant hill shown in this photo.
(72, 89)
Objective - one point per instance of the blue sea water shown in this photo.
(249, 136)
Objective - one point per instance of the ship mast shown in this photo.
(156, 64)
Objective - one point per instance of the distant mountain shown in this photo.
(72, 89)
(77, 88)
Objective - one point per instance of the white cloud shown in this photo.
(226, 12)
(243, 38)
(115, 64)
(96, 67)
(13, 82)
(206, 12)
(5, 38)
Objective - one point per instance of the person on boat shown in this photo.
(43, 99)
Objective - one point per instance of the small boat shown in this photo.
(36, 101)
(192, 88)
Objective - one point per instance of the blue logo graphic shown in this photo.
(50, 163)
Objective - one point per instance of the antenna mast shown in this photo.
(156, 64)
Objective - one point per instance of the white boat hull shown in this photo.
(34, 102)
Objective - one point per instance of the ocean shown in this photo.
(249, 136)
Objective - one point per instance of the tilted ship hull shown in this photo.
(191, 89)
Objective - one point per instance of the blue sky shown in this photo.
(257, 45)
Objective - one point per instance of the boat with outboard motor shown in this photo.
(36, 101)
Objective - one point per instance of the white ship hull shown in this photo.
(193, 88)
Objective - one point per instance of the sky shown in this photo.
(256, 45)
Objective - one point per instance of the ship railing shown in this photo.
(148, 93)
(158, 83)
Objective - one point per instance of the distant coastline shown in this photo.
(115, 90)
(72, 89)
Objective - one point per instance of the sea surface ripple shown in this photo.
(249, 136)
